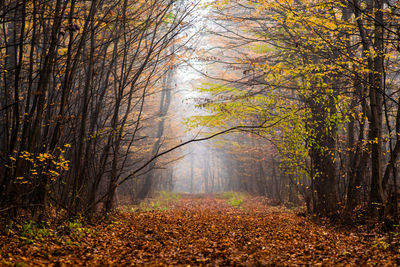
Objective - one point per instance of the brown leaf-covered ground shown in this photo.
(202, 230)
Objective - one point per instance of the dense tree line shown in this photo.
(75, 78)
(321, 78)
(313, 86)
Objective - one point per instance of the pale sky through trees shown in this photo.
(199, 132)
(188, 76)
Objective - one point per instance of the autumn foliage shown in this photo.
(298, 102)
(201, 230)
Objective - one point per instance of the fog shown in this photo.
(212, 165)
(198, 170)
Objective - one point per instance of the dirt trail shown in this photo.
(207, 231)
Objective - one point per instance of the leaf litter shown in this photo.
(204, 230)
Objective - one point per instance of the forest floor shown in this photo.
(199, 230)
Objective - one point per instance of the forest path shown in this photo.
(206, 230)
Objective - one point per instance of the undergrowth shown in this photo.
(234, 199)
(161, 201)
(68, 233)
